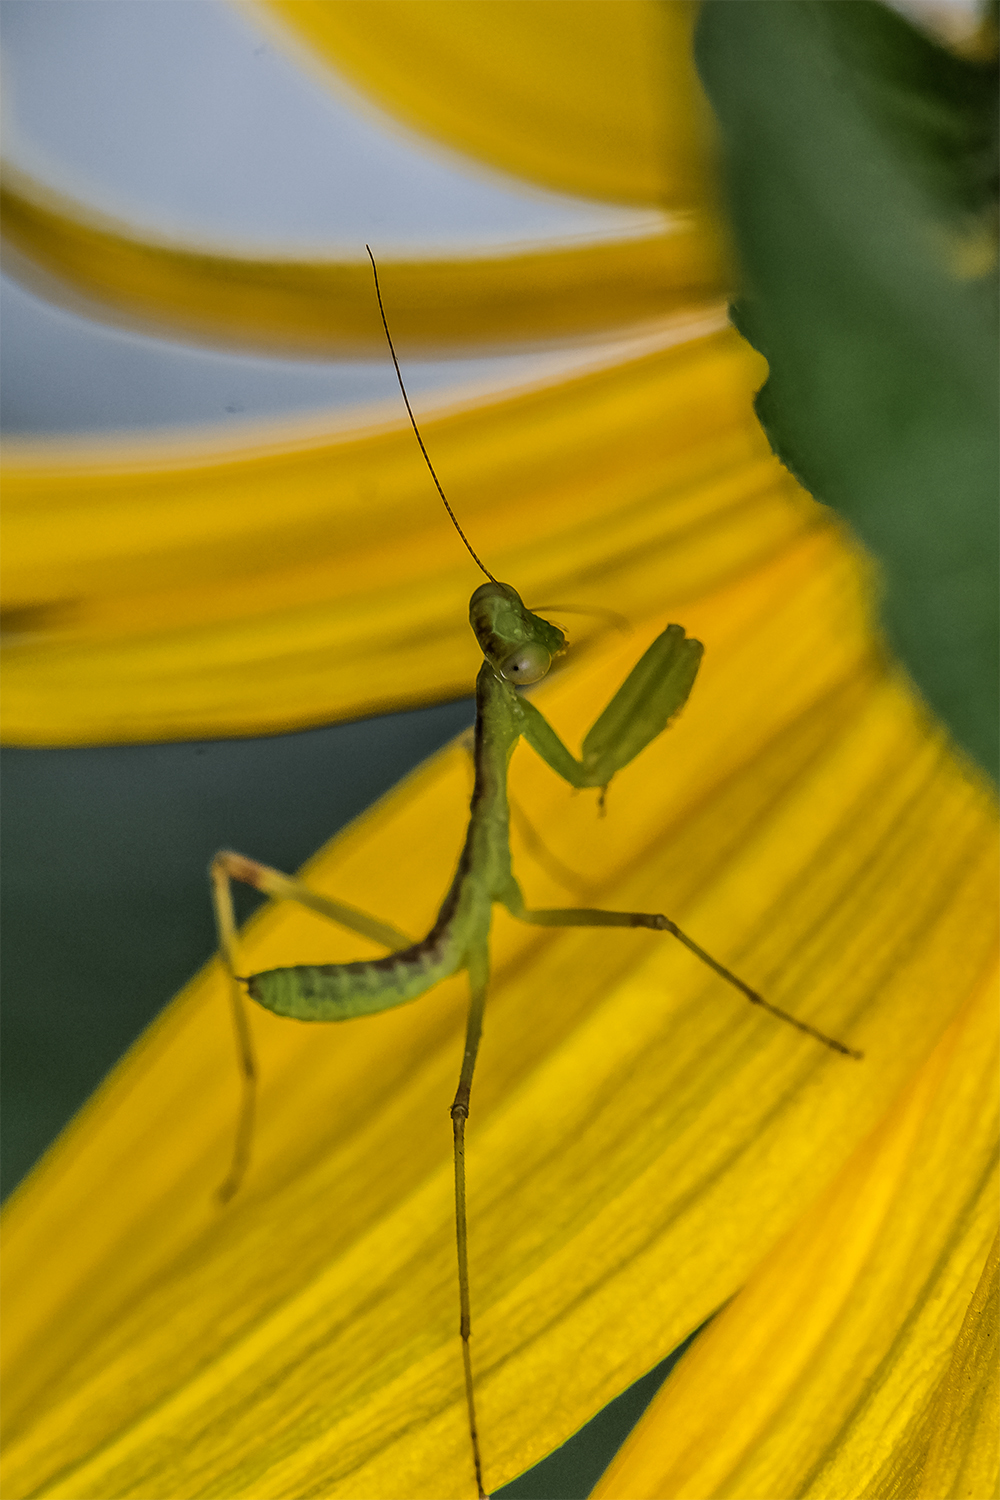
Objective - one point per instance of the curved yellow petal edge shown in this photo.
(643, 1147)
(162, 590)
(320, 306)
(860, 1358)
(957, 1450)
(601, 100)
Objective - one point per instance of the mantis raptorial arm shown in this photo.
(654, 691)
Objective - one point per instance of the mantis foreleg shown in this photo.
(654, 691)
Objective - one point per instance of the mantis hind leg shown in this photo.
(225, 868)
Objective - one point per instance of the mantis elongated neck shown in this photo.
(497, 731)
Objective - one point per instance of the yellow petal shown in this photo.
(642, 1144)
(813, 1379)
(156, 591)
(599, 99)
(957, 1450)
(324, 307)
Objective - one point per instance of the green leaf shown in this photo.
(859, 162)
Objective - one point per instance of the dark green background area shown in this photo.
(106, 910)
(860, 164)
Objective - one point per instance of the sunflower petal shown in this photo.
(958, 1447)
(640, 1144)
(324, 307)
(813, 1379)
(160, 592)
(598, 100)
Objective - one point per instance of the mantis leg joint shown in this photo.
(657, 922)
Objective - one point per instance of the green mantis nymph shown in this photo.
(518, 648)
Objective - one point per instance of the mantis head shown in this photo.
(518, 645)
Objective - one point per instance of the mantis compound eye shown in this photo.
(526, 665)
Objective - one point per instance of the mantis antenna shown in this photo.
(413, 423)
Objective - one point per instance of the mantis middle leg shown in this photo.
(581, 916)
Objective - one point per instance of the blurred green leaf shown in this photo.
(860, 166)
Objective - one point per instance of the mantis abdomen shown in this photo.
(338, 992)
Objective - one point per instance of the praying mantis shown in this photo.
(518, 647)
